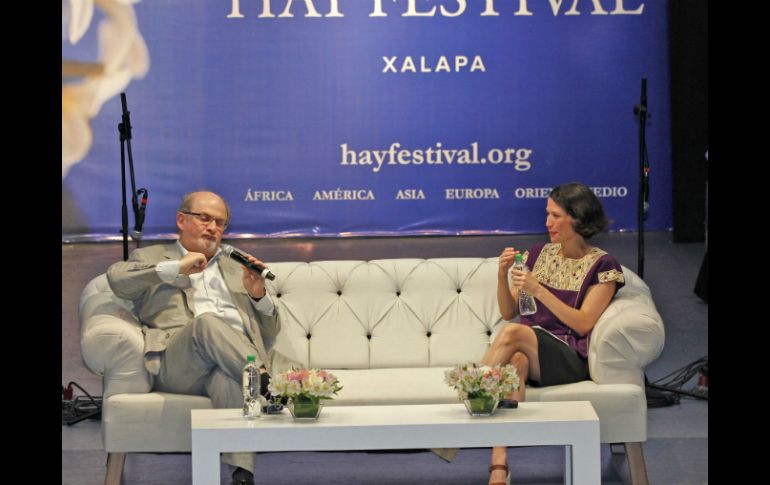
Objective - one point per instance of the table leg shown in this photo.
(205, 465)
(585, 462)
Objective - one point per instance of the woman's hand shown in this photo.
(506, 261)
(506, 297)
(525, 281)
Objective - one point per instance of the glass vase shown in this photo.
(305, 407)
(481, 405)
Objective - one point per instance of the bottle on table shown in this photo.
(252, 407)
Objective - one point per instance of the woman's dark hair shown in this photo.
(581, 204)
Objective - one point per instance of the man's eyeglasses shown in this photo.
(205, 219)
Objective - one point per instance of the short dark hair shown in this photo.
(580, 202)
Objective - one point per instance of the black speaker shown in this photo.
(688, 40)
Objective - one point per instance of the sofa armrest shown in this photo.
(111, 340)
(628, 336)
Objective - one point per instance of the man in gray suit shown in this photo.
(201, 312)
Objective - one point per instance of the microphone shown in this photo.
(126, 117)
(241, 258)
(139, 209)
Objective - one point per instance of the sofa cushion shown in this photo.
(419, 385)
(160, 422)
(149, 422)
(386, 313)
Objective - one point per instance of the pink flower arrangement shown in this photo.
(310, 383)
(473, 380)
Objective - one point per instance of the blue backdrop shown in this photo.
(384, 117)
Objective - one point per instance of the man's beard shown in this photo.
(208, 246)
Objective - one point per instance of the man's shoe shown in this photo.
(264, 381)
(272, 408)
(241, 476)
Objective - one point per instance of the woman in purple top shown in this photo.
(572, 282)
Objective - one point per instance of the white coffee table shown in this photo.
(572, 424)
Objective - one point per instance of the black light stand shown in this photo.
(644, 171)
(139, 208)
(701, 283)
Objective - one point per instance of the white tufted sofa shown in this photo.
(389, 329)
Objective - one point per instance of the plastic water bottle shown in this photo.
(252, 407)
(527, 304)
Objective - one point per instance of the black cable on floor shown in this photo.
(667, 390)
(80, 408)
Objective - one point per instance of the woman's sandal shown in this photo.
(505, 469)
